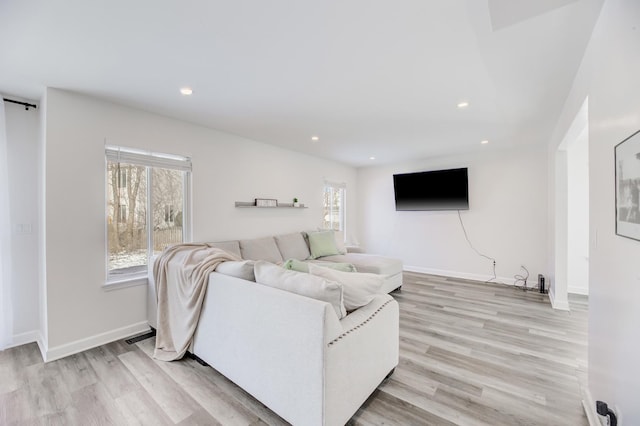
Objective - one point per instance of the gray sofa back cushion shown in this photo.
(230, 246)
(261, 249)
(292, 246)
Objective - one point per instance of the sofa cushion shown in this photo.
(339, 238)
(342, 249)
(322, 243)
(242, 269)
(300, 283)
(300, 266)
(230, 246)
(369, 263)
(358, 288)
(261, 249)
(292, 246)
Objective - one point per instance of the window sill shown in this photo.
(125, 283)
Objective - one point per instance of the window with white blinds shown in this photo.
(333, 211)
(147, 208)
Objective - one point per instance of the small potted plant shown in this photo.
(295, 202)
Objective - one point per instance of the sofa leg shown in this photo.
(390, 373)
(197, 358)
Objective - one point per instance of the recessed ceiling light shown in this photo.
(315, 138)
(186, 91)
(484, 142)
(463, 104)
(372, 158)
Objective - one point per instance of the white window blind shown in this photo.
(337, 185)
(147, 158)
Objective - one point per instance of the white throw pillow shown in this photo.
(301, 283)
(359, 288)
(242, 269)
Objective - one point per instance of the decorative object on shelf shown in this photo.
(295, 202)
(266, 202)
(627, 164)
(277, 205)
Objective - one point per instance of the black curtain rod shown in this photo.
(26, 105)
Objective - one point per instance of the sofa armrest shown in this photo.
(361, 357)
(152, 299)
(364, 313)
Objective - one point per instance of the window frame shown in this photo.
(149, 160)
(342, 212)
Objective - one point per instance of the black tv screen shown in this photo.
(432, 190)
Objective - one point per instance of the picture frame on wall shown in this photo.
(627, 165)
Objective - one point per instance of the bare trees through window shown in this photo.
(145, 214)
(333, 214)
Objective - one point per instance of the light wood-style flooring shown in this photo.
(470, 354)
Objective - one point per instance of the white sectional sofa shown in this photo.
(291, 352)
(279, 248)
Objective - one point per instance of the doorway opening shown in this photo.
(572, 212)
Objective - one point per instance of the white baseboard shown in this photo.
(578, 290)
(24, 338)
(589, 406)
(71, 348)
(561, 305)
(455, 274)
(42, 345)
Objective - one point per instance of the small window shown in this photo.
(334, 207)
(146, 205)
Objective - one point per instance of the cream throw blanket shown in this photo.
(181, 274)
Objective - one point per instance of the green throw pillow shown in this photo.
(322, 243)
(300, 266)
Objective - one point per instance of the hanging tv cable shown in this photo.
(494, 278)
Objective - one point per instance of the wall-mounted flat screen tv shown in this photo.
(432, 190)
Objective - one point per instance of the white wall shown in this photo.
(42, 220)
(22, 147)
(226, 169)
(578, 214)
(506, 220)
(609, 77)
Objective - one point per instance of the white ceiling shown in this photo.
(369, 77)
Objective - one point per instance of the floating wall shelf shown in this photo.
(252, 205)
